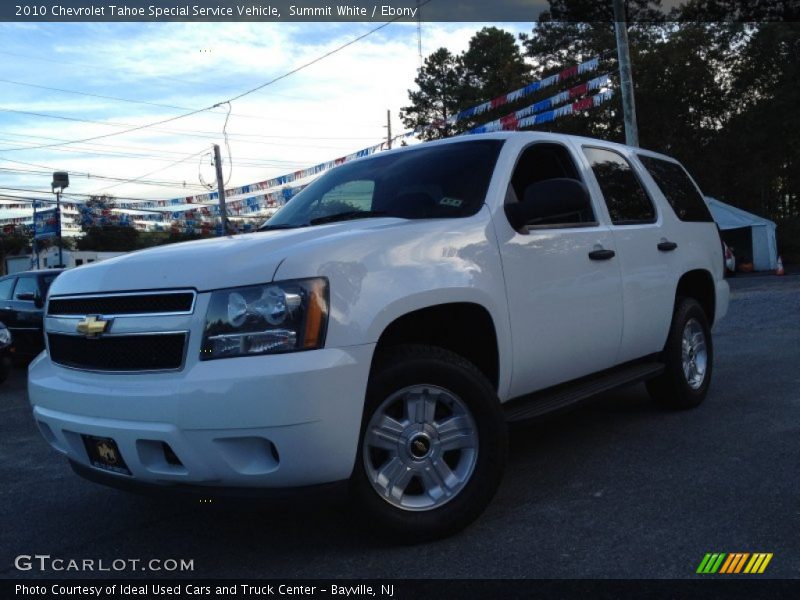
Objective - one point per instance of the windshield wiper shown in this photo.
(345, 216)
(278, 226)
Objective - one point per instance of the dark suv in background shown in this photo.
(22, 297)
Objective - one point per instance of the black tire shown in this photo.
(673, 389)
(412, 366)
(5, 368)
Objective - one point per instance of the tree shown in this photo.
(492, 65)
(109, 238)
(105, 230)
(439, 95)
(13, 241)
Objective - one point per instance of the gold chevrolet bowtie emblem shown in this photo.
(92, 326)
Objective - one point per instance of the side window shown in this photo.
(538, 163)
(626, 198)
(47, 280)
(674, 182)
(26, 285)
(6, 285)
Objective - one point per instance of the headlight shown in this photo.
(266, 319)
(5, 336)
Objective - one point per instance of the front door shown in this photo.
(565, 306)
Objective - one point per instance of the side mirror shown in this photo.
(31, 297)
(552, 201)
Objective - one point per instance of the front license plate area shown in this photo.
(104, 454)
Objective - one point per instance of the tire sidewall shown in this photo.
(481, 400)
(686, 310)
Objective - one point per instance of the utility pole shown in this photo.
(389, 129)
(625, 75)
(35, 249)
(223, 210)
(60, 181)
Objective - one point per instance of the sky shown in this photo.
(327, 110)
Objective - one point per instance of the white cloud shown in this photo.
(341, 101)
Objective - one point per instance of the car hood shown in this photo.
(209, 264)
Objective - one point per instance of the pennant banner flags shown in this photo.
(512, 124)
(543, 105)
(281, 180)
(568, 73)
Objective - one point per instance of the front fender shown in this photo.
(380, 274)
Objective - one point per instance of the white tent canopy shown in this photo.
(765, 248)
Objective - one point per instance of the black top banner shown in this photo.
(388, 10)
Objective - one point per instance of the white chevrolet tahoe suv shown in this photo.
(386, 324)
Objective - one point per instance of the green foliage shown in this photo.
(439, 94)
(109, 238)
(492, 65)
(720, 96)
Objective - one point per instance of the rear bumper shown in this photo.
(722, 299)
(288, 420)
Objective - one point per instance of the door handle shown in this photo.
(602, 254)
(667, 246)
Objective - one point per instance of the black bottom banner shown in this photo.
(403, 589)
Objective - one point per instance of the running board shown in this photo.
(567, 394)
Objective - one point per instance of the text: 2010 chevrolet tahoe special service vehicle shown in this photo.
(386, 325)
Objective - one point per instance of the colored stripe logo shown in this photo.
(734, 563)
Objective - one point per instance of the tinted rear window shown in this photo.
(626, 198)
(674, 182)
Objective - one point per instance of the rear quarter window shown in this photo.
(679, 190)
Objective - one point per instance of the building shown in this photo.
(48, 259)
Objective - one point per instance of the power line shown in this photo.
(150, 153)
(237, 97)
(73, 174)
(150, 103)
(140, 177)
(187, 132)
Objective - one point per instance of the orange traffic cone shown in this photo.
(779, 270)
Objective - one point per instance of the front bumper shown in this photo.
(286, 420)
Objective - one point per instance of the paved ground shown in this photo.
(616, 489)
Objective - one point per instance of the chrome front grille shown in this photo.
(125, 332)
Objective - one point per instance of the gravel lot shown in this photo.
(617, 488)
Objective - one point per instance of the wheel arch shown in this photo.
(698, 284)
(464, 328)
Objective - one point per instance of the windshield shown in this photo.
(444, 181)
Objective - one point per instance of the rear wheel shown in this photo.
(433, 445)
(688, 356)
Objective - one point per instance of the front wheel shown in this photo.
(689, 357)
(433, 444)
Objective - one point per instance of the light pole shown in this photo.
(60, 181)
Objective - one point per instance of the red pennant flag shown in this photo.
(568, 72)
(579, 90)
(499, 101)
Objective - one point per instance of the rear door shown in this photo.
(645, 252)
